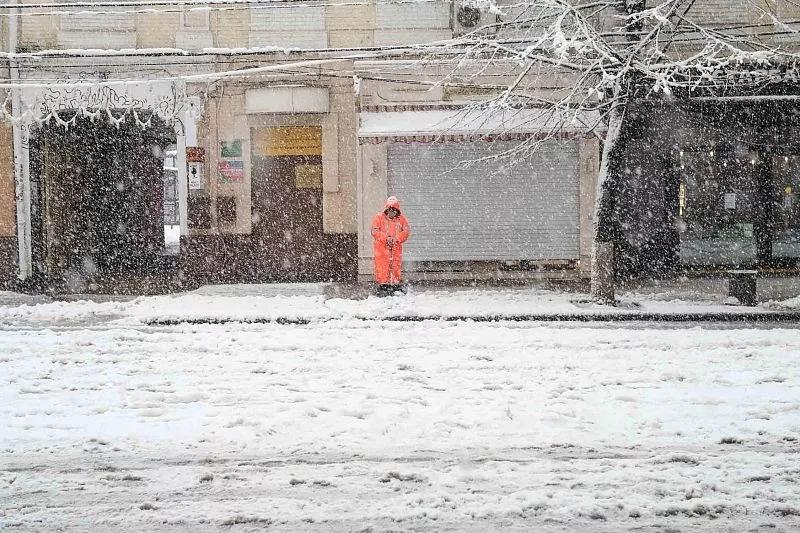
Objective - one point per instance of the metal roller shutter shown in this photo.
(526, 208)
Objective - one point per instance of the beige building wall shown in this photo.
(231, 28)
(3, 40)
(224, 120)
(38, 33)
(366, 25)
(339, 203)
(350, 26)
(347, 26)
(157, 30)
(7, 195)
(146, 30)
(787, 9)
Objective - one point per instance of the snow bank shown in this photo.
(308, 302)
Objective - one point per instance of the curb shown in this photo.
(583, 317)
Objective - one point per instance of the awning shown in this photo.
(135, 101)
(460, 124)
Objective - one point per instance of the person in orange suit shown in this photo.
(389, 231)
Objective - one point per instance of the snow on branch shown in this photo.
(567, 58)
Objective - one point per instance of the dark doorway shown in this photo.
(287, 202)
(97, 206)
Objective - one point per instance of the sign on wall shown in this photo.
(195, 174)
(232, 149)
(231, 165)
(279, 141)
(231, 171)
(195, 154)
(195, 162)
(308, 176)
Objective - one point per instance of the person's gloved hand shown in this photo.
(390, 241)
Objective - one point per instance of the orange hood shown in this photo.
(392, 201)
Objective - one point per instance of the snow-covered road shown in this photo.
(347, 424)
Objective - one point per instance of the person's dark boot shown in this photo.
(398, 290)
(382, 291)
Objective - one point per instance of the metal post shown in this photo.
(182, 177)
(22, 177)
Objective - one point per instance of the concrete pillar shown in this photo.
(22, 181)
(21, 147)
(589, 160)
(373, 187)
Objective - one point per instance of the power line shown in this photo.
(211, 52)
(200, 5)
(318, 71)
(251, 57)
(682, 38)
(195, 78)
(149, 8)
(147, 3)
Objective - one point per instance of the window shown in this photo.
(301, 27)
(717, 202)
(195, 18)
(786, 210)
(113, 29)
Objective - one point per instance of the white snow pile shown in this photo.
(309, 302)
(792, 304)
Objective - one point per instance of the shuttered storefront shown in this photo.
(520, 209)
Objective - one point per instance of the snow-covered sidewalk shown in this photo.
(111, 424)
(316, 302)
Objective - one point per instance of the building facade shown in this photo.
(290, 130)
(285, 166)
(709, 179)
(713, 186)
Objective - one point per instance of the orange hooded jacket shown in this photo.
(388, 235)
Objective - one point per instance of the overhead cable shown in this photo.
(151, 8)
